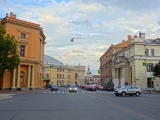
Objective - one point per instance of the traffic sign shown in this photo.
(43, 77)
(99, 71)
(144, 64)
(153, 78)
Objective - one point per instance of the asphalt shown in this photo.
(84, 105)
(7, 94)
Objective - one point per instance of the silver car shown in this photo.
(128, 90)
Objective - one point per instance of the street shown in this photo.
(84, 105)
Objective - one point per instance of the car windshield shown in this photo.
(124, 87)
(73, 86)
(54, 85)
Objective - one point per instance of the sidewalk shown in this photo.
(149, 92)
(7, 94)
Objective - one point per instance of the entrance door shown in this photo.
(21, 79)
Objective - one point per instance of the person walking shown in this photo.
(157, 88)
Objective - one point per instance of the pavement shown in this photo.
(8, 94)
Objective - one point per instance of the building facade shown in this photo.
(32, 40)
(128, 64)
(106, 60)
(57, 73)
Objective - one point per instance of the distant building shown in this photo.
(88, 77)
(56, 72)
(96, 79)
(133, 65)
(31, 40)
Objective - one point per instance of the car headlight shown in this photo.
(75, 88)
(70, 88)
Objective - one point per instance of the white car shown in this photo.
(128, 90)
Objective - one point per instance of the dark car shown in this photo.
(53, 87)
(73, 88)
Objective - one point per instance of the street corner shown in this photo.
(6, 96)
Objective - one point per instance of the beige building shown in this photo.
(127, 66)
(56, 72)
(106, 59)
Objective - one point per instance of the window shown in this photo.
(152, 52)
(57, 75)
(60, 76)
(23, 35)
(47, 75)
(63, 75)
(149, 67)
(22, 50)
(146, 52)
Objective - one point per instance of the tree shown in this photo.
(9, 54)
(156, 69)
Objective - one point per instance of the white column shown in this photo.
(14, 78)
(18, 77)
(32, 77)
(29, 76)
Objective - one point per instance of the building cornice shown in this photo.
(21, 23)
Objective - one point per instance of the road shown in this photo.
(84, 105)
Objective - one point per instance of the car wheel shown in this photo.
(137, 93)
(123, 94)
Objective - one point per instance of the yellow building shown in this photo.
(31, 38)
(56, 72)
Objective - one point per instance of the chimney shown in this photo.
(135, 36)
(129, 37)
(14, 16)
(11, 14)
(123, 41)
(6, 14)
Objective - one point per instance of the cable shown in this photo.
(153, 32)
(87, 16)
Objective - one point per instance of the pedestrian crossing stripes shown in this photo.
(77, 92)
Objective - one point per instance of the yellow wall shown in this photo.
(33, 51)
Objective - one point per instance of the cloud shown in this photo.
(98, 23)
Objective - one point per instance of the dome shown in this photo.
(55, 62)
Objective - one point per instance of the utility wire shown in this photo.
(153, 32)
(87, 16)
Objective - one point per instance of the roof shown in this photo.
(49, 58)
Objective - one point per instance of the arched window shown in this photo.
(76, 75)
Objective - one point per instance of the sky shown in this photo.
(94, 25)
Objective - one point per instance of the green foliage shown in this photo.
(9, 54)
(156, 69)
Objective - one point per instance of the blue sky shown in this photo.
(99, 23)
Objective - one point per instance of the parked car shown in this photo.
(100, 87)
(73, 88)
(53, 87)
(91, 87)
(96, 86)
(109, 86)
(82, 86)
(128, 90)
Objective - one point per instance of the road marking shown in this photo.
(62, 92)
(99, 92)
(83, 92)
(49, 92)
(53, 91)
(89, 92)
(58, 92)
(67, 92)
(44, 92)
